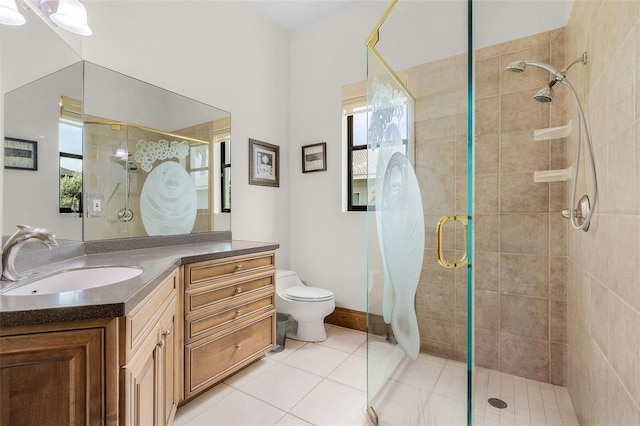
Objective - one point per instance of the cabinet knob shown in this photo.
(238, 312)
(238, 290)
(238, 268)
(239, 346)
(166, 333)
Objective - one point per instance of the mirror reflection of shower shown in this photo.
(125, 214)
(580, 213)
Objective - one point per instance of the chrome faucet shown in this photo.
(16, 241)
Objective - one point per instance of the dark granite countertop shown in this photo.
(118, 299)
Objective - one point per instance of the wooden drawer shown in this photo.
(209, 361)
(198, 273)
(146, 314)
(199, 327)
(226, 292)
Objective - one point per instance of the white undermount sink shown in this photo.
(76, 279)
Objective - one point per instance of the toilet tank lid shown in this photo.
(281, 273)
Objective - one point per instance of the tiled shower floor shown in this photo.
(325, 383)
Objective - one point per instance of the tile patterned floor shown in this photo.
(325, 384)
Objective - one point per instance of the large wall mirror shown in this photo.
(115, 157)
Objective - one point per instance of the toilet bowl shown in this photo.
(307, 306)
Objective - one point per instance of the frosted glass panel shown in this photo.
(168, 202)
(402, 225)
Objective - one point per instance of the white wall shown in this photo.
(327, 245)
(227, 54)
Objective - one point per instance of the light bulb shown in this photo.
(9, 14)
(72, 16)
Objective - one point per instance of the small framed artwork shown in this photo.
(20, 154)
(264, 163)
(314, 157)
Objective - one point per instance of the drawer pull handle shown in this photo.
(162, 342)
(238, 312)
(238, 290)
(239, 346)
(238, 268)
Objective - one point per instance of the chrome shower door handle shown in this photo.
(440, 246)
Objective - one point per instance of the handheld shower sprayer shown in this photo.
(581, 216)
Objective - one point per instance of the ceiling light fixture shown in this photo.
(70, 15)
(9, 14)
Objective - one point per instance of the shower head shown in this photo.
(517, 66)
(545, 94)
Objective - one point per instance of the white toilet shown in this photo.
(306, 305)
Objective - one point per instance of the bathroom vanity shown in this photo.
(130, 353)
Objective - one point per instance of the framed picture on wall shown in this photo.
(264, 163)
(314, 157)
(20, 154)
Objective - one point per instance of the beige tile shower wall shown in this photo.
(520, 258)
(440, 89)
(604, 263)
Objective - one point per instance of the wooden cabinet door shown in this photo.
(54, 378)
(150, 378)
(142, 382)
(168, 387)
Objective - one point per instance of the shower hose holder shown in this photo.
(582, 210)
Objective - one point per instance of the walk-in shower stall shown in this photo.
(471, 183)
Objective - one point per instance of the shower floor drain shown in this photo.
(498, 403)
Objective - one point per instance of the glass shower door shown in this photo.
(418, 264)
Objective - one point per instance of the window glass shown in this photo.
(199, 172)
(363, 160)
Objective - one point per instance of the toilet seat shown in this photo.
(308, 294)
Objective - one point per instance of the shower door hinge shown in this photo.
(373, 416)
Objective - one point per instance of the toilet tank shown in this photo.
(286, 279)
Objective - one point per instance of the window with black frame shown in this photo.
(362, 161)
(358, 171)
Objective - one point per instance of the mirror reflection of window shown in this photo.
(225, 151)
(70, 149)
(199, 171)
